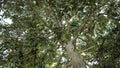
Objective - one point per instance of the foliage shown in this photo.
(40, 29)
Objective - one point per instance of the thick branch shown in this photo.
(76, 61)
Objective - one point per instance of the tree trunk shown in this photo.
(76, 61)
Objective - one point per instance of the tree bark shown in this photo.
(76, 61)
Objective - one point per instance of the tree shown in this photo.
(55, 33)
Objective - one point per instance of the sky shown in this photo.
(4, 20)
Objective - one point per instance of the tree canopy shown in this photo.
(60, 34)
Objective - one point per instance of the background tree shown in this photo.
(60, 34)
